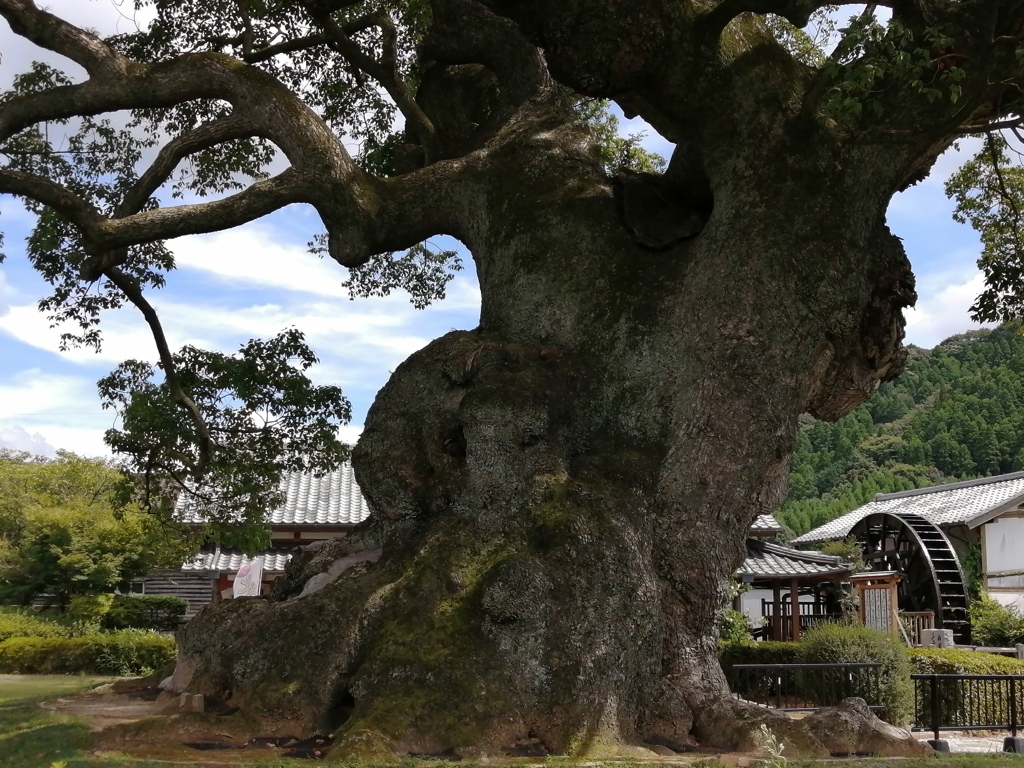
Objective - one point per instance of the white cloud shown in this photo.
(52, 411)
(945, 311)
(20, 439)
(259, 255)
(250, 283)
(42, 412)
(123, 339)
(5, 306)
(254, 255)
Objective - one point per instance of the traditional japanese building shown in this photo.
(314, 509)
(773, 575)
(937, 539)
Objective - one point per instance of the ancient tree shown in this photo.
(561, 494)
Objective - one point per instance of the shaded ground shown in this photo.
(101, 710)
(30, 737)
(109, 730)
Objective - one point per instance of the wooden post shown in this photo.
(794, 606)
(777, 611)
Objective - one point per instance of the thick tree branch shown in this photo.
(465, 32)
(130, 288)
(64, 201)
(796, 12)
(204, 137)
(322, 171)
(259, 199)
(50, 32)
(288, 46)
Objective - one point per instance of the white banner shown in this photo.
(249, 579)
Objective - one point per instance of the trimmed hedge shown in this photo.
(16, 622)
(832, 644)
(122, 653)
(767, 652)
(950, 661)
(962, 703)
(162, 613)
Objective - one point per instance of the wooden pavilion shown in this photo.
(796, 589)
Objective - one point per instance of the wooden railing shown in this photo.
(915, 621)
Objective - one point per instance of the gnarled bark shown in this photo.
(560, 495)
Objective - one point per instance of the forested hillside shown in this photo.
(956, 413)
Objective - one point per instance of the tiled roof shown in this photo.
(230, 562)
(765, 524)
(970, 503)
(767, 560)
(333, 499)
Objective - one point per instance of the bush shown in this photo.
(962, 702)
(768, 652)
(950, 661)
(16, 622)
(836, 643)
(90, 608)
(733, 627)
(159, 612)
(122, 653)
(995, 624)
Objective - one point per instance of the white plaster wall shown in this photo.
(750, 602)
(1003, 546)
(1015, 599)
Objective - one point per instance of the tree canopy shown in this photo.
(236, 110)
(64, 533)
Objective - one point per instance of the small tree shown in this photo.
(64, 535)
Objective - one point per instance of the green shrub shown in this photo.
(952, 661)
(26, 622)
(768, 652)
(836, 643)
(15, 622)
(733, 627)
(160, 612)
(90, 608)
(121, 653)
(995, 624)
(959, 702)
(758, 688)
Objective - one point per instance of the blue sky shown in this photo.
(254, 281)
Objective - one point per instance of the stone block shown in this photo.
(937, 638)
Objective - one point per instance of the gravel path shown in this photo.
(966, 741)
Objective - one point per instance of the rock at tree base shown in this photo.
(848, 729)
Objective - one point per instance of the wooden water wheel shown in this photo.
(921, 553)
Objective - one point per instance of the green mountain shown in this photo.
(956, 413)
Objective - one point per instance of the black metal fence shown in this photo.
(968, 703)
(804, 687)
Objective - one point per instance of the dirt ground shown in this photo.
(107, 708)
(103, 708)
(119, 718)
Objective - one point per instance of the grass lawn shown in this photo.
(31, 737)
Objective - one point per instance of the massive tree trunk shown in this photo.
(561, 495)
